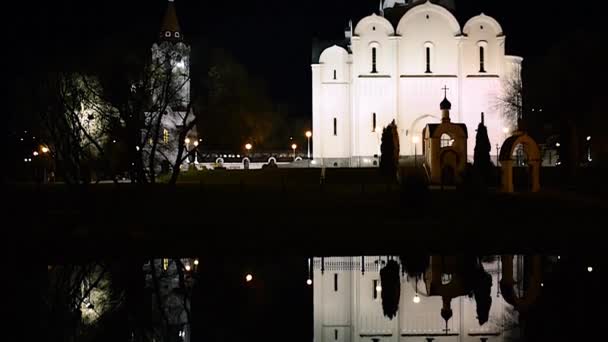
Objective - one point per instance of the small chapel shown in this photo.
(392, 65)
(445, 147)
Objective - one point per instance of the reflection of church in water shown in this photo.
(436, 298)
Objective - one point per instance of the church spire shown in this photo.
(170, 30)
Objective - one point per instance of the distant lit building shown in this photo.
(393, 66)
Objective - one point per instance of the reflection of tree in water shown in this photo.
(482, 288)
(391, 288)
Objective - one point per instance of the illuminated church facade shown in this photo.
(393, 66)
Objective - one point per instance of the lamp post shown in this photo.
(195, 151)
(293, 147)
(497, 151)
(308, 135)
(187, 141)
(415, 140)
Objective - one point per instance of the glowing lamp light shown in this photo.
(294, 146)
(588, 138)
(589, 269)
(248, 277)
(309, 282)
(137, 148)
(505, 130)
(187, 140)
(195, 262)
(188, 268)
(35, 153)
(314, 162)
(248, 147)
(45, 149)
(416, 299)
(378, 288)
(416, 139)
(195, 143)
(308, 134)
(558, 144)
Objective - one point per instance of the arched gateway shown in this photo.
(531, 150)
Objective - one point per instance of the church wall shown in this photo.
(418, 32)
(482, 95)
(373, 95)
(335, 106)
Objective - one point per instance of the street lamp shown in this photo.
(308, 135)
(415, 140)
(44, 149)
(293, 147)
(248, 147)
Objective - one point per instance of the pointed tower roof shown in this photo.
(170, 30)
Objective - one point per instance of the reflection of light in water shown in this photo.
(416, 299)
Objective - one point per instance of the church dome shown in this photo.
(445, 104)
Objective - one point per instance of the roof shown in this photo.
(433, 127)
(395, 14)
(170, 25)
(318, 46)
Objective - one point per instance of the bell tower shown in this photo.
(172, 51)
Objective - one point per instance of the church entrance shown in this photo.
(521, 170)
(449, 164)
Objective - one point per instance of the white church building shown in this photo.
(393, 66)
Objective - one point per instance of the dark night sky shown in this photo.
(271, 38)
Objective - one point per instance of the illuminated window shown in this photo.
(446, 140)
(335, 126)
(150, 141)
(335, 74)
(374, 70)
(428, 59)
(165, 136)
(374, 122)
(336, 282)
(482, 67)
(165, 264)
(167, 34)
(176, 34)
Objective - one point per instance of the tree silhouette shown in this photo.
(389, 158)
(481, 158)
(391, 288)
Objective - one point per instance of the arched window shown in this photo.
(482, 67)
(335, 126)
(446, 140)
(335, 75)
(374, 70)
(428, 60)
(373, 122)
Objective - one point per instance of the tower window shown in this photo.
(373, 122)
(428, 60)
(482, 67)
(336, 334)
(168, 34)
(336, 282)
(374, 70)
(176, 34)
(335, 74)
(335, 126)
